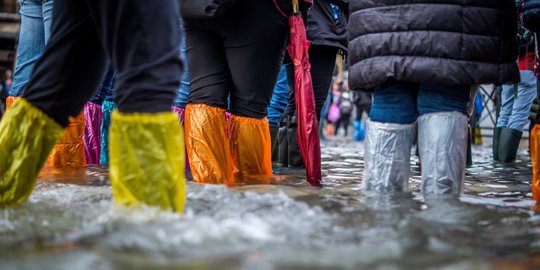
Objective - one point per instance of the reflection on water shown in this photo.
(70, 223)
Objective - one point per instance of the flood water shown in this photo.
(71, 223)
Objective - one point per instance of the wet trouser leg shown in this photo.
(389, 137)
(236, 58)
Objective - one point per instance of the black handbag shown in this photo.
(206, 9)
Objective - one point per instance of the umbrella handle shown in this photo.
(296, 6)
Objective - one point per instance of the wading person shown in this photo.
(234, 62)
(146, 152)
(421, 61)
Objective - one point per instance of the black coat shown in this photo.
(323, 29)
(453, 42)
(531, 15)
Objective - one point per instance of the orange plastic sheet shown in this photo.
(535, 157)
(27, 136)
(147, 160)
(207, 144)
(251, 149)
(69, 151)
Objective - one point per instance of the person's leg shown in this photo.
(521, 107)
(276, 109)
(442, 137)
(31, 44)
(47, 14)
(146, 139)
(258, 34)
(508, 95)
(535, 153)
(34, 123)
(389, 136)
(510, 136)
(206, 139)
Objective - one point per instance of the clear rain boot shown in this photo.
(442, 138)
(387, 154)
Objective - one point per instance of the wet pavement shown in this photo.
(71, 223)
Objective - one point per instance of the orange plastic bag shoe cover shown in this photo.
(535, 152)
(69, 150)
(207, 144)
(251, 149)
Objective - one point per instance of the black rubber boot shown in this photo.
(509, 140)
(294, 156)
(275, 145)
(496, 136)
(283, 146)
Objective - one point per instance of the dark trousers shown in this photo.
(323, 62)
(237, 58)
(140, 39)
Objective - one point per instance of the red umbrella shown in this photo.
(308, 126)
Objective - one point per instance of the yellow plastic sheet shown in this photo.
(251, 149)
(535, 152)
(27, 136)
(69, 150)
(147, 160)
(207, 145)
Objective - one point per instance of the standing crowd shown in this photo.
(112, 82)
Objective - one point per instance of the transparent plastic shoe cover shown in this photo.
(208, 145)
(442, 140)
(92, 132)
(387, 154)
(251, 149)
(107, 108)
(27, 136)
(147, 160)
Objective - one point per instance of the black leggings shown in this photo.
(237, 57)
(323, 62)
(141, 40)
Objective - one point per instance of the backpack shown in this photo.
(346, 106)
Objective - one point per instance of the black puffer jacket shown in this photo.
(323, 29)
(453, 42)
(531, 15)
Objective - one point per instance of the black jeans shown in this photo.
(323, 62)
(237, 57)
(140, 39)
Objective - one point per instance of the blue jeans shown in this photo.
(280, 98)
(402, 102)
(516, 105)
(105, 90)
(183, 91)
(36, 17)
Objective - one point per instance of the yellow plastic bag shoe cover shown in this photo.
(147, 160)
(69, 150)
(27, 136)
(535, 152)
(207, 144)
(251, 149)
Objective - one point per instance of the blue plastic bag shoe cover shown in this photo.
(107, 107)
(359, 130)
(442, 140)
(27, 136)
(387, 154)
(147, 160)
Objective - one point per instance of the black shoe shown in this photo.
(496, 136)
(275, 144)
(509, 144)
(294, 155)
(282, 145)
